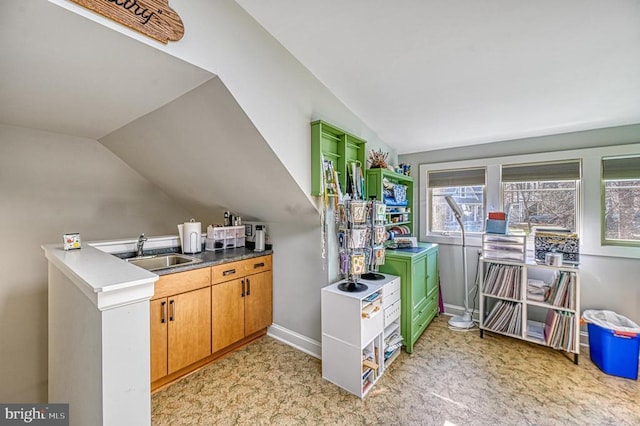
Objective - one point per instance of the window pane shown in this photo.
(470, 199)
(541, 203)
(622, 210)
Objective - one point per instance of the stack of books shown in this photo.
(563, 292)
(505, 317)
(559, 330)
(503, 280)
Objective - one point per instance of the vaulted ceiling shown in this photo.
(422, 74)
(430, 74)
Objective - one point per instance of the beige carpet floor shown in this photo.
(452, 378)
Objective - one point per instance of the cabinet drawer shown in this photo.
(392, 313)
(227, 272)
(391, 293)
(422, 316)
(182, 282)
(371, 327)
(257, 265)
(431, 303)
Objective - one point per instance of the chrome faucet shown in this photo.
(140, 244)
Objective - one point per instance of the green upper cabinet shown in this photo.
(337, 146)
(396, 214)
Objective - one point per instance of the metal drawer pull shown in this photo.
(229, 272)
(248, 287)
(163, 313)
(242, 295)
(172, 304)
(258, 265)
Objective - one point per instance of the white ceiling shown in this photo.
(422, 74)
(428, 74)
(62, 73)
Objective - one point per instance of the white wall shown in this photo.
(51, 184)
(277, 93)
(280, 98)
(608, 274)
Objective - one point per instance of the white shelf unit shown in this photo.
(391, 337)
(354, 327)
(533, 302)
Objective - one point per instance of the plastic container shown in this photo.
(614, 352)
(224, 237)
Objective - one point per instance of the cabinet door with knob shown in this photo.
(227, 313)
(159, 324)
(180, 315)
(241, 300)
(189, 330)
(258, 302)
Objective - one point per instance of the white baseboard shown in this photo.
(296, 340)
(459, 310)
(452, 310)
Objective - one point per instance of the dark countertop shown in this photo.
(209, 258)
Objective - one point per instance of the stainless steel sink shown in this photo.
(162, 261)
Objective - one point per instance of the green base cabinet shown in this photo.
(418, 274)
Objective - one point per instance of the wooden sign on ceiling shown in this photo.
(153, 18)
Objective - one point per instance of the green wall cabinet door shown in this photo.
(418, 274)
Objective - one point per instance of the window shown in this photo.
(466, 187)
(621, 200)
(542, 194)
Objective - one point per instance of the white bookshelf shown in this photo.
(357, 330)
(531, 301)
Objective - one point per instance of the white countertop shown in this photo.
(372, 287)
(105, 279)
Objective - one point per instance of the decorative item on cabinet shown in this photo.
(378, 160)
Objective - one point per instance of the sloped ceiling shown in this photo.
(62, 73)
(204, 152)
(433, 74)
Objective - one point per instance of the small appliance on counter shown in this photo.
(259, 240)
(190, 234)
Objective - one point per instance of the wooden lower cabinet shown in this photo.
(240, 308)
(189, 328)
(198, 315)
(180, 331)
(159, 338)
(258, 302)
(227, 313)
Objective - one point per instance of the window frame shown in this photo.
(603, 197)
(575, 170)
(462, 171)
(590, 198)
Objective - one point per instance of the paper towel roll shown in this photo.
(191, 237)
